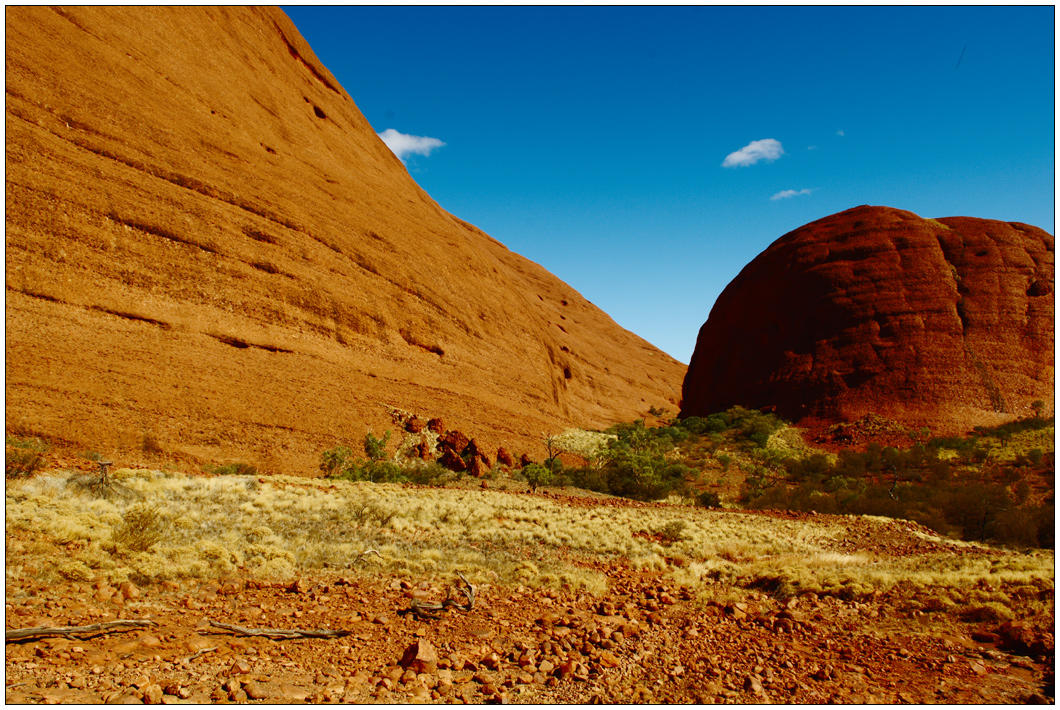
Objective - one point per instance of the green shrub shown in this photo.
(537, 475)
(375, 448)
(693, 425)
(232, 469)
(335, 461)
(708, 499)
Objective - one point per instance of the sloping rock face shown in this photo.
(943, 323)
(211, 253)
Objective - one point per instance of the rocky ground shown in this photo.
(648, 640)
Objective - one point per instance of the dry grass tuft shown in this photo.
(182, 526)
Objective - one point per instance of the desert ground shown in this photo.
(577, 597)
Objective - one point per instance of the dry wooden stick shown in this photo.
(365, 554)
(283, 633)
(105, 627)
(424, 609)
(195, 655)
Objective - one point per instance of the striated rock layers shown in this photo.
(211, 253)
(946, 323)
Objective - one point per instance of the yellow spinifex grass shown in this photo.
(181, 526)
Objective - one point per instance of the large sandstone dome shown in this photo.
(943, 323)
(210, 252)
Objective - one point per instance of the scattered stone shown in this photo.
(152, 693)
(753, 684)
(300, 586)
(287, 691)
(420, 657)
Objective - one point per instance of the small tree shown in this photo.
(375, 448)
(537, 475)
(1038, 405)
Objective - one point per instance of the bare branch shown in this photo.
(282, 633)
(367, 552)
(195, 655)
(424, 609)
(105, 627)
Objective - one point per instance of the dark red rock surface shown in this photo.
(946, 323)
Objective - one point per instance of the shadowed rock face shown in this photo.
(946, 323)
(210, 252)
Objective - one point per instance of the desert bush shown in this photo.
(912, 483)
(537, 475)
(708, 499)
(990, 611)
(693, 425)
(589, 445)
(142, 527)
(232, 469)
(673, 531)
(336, 460)
(24, 458)
(375, 447)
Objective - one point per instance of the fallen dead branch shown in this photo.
(67, 631)
(365, 554)
(283, 633)
(198, 653)
(424, 609)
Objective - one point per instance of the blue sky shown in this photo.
(596, 141)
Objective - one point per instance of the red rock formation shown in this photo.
(451, 460)
(504, 458)
(210, 249)
(946, 323)
(455, 440)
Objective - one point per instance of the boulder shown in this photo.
(504, 458)
(455, 440)
(451, 460)
(942, 323)
(420, 657)
(474, 451)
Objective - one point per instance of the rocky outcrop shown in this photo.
(210, 250)
(946, 323)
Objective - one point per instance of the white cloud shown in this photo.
(785, 194)
(403, 145)
(765, 149)
(840, 132)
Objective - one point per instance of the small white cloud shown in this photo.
(785, 194)
(403, 145)
(766, 149)
(811, 147)
(840, 132)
